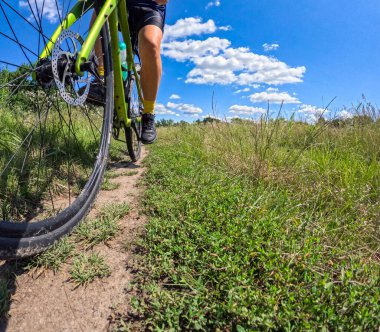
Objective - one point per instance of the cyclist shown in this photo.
(146, 19)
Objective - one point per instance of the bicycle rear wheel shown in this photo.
(54, 147)
(133, 133)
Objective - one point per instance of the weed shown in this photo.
(104, 227)
(54, 257)
(130, 173)
(115, 210)
(5, 295)
(107, 185)
(87, 267)
(111, 175)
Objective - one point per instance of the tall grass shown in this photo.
(46, 155)
(269, 225)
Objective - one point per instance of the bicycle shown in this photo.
(55, 146)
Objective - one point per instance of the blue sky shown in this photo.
(248, 52)
(336, 42)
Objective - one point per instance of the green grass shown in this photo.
(114, 211)
(262, 227)
(130, 173)
(5, 294)
(88, 234)
(107, 185)
(54, 257)
(52, 162)
(88, 267)
(111, 174)
(104, 227)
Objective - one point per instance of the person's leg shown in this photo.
(150, 37)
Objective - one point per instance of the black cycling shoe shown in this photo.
(149, 134)
(97, 94)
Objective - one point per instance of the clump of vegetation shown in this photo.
(54, 257)
(87, 267)
(130, 173)
(104, 227)
(263, 225)
(5, 294)
(108, 185)
(110, 174)
(88, 234)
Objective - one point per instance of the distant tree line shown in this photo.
(172, 123)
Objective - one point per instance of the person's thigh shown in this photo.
(150, 37)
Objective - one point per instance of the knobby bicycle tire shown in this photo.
(45, 222)
(133, 133)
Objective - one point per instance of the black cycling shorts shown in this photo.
(145, 12)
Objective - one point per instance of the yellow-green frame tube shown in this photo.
(126, 33)
(119, 96)
(73, 15)
(105, 12)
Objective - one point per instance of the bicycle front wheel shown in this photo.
(54, 145)
(133, 133)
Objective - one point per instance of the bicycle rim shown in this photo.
(53, 154)
(133, 133)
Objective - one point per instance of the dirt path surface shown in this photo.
(50, 302)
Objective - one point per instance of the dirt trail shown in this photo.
(50, 302)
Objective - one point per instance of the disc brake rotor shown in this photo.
(73, 88)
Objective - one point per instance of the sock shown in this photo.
(149, 106)
(101, 71)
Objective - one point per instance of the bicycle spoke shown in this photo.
(14, 34)
(53, 149)
(39, 22)
(32, 11)
(17, 42)
(37, 29)
(8, 84)
(19, 14)
(14, 91)
(22, 143)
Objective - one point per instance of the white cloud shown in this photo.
(215, 3)
(272, 90)
(50, 11)
(217, 62)
(189, 26)
(273, 97)
(312, 113)
(270, 47)
(213, 55)
(187, 109)
(175, 96)
(225, 28)
(211, 76)
(242, 90)
(246, 110)
(191, 49)
(161, 109)
(345, 115)
(310, 109)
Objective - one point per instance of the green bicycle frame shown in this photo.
(115, 11)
